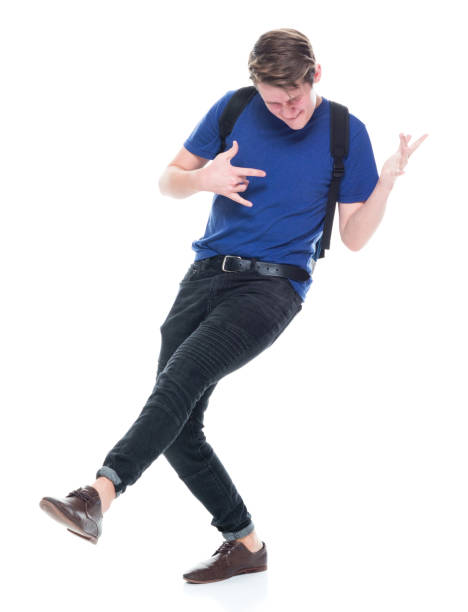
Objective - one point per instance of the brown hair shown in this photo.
(282, 58)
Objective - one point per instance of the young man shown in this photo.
(250, 276)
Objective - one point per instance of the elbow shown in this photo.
(161, 185)
(353, 246)
(166, 184)
(349, 240)
(353, 243)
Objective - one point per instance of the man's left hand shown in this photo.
(394, 166)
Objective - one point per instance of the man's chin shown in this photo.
(297, 123)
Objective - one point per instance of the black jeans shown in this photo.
(219, 321)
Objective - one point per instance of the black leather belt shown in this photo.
(235, 263)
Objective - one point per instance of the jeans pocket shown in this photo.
(195, 274)
(192, 270)
(293, 294)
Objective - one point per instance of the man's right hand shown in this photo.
(226, 180)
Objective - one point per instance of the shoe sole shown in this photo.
(248, 570)
(52, 510)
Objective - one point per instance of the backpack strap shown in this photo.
(339, 145)
(237, 102)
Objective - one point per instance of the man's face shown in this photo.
(293, 106)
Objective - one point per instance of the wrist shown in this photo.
(198, 179)
(386, 183)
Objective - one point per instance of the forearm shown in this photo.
(179, 183)
(363, 223)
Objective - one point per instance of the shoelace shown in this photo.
(225, 547)
(82, 494)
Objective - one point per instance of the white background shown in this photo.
(347, 439)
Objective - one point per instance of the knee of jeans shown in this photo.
(185, 459)
(189, 444)
(184, 440)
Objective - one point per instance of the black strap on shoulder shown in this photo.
(339, 144)
(237, 102)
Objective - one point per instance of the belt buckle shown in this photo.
(224, 261)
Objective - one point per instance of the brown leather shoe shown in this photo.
(230, 559)
(80, 511)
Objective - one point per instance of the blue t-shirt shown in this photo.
(286, 220)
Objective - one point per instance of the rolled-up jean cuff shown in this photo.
(112, 475)
(233, 535)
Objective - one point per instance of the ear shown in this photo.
(318, 73)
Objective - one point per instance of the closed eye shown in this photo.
(279, 103)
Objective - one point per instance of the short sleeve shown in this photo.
(205, 140)
(361, 176)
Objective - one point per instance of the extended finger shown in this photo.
(417, 142)
(249, 171)
(237, 198)
(403, 144)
